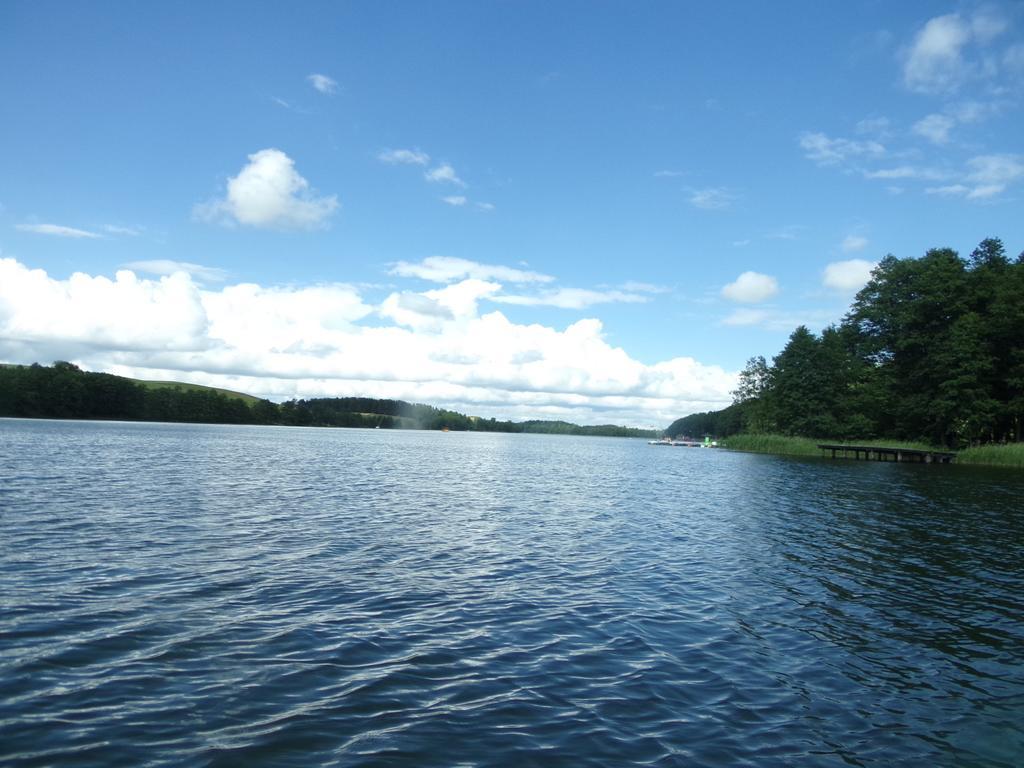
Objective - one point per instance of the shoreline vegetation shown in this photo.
(64, 391)
(930, 355)
(1003, 455)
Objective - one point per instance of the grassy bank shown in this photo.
(778, 444)
(1009, 455)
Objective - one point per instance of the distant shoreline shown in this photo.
(63, 391)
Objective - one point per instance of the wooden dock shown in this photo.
(877, 453)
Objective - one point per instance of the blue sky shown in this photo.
(590, 211)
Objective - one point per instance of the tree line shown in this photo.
(63, 391)
(931, 349)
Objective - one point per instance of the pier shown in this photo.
(877, 453)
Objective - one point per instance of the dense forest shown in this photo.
(931, 349)
(63, 391)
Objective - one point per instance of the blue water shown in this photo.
(250, 596)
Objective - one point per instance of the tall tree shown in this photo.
(749, 396)
(798, 399)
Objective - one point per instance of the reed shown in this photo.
(1004, 455)
(779, 444)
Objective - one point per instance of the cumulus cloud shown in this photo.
(852, 243)
(57, 230)
(455, 200)
(751, 288)
(323, 83)
(448, 269)
(824, 150)
(847, 276)
(403, 157)
(169, 267)
(311, 341)
(269, 193)
(142, 315)
(444, 174)
(427, 310)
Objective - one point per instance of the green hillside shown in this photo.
(250, 399)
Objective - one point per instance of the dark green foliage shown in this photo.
(932, 349)
(65, 392)
(737, 418)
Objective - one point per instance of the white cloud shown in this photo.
(827, 151)
(876, 126)
(751, 288)
(634, 286)
(1013, 58)
(168, 267)
(987, 176)
(935, 128)
(973, 111)
(948, 190)
(323, 83)
(313, 341)
(456, 200)
(270, 193)
(57, 230)
(448, 269)
(907, 172)
(987, 26)
(788, 232)
(711, 199)
(141, 315)
(776, 320)
(113, 229)
(572, 298)
(668, 174)
(937, 60)
(488, 207)
(747, 316)
(847, 276)
(852, 243)
(403, 157)
(991, 174)
(444, 174)
(427, 310)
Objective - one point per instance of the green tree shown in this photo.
(750, 395)
(799, 400)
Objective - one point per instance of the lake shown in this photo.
(259, 596)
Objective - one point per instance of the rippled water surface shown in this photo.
(220, 596)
